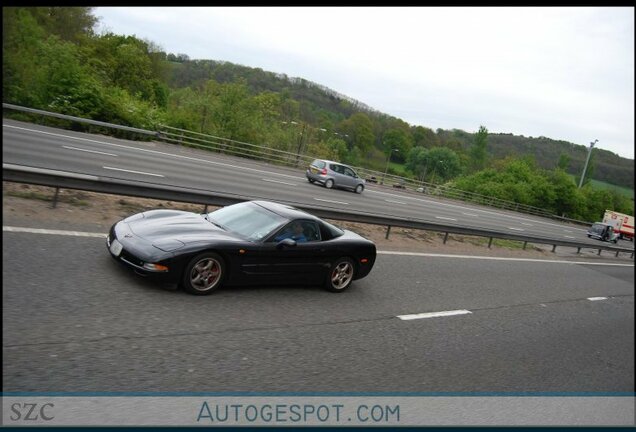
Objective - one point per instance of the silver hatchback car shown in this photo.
(334, 174)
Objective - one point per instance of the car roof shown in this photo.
(285, 210)
(334, 162)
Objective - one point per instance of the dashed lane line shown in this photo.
(278, 181)
(433, 314)
(89, 151)
(134, 172)
(330, 201)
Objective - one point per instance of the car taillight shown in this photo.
(323, 171)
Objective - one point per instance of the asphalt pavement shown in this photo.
(75, 320)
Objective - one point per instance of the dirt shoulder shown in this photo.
(30, 206)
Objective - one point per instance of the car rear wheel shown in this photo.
(340, 275)
(359, 189)
(203, 274)
(310, 180)
(329, 184)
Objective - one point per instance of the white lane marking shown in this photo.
(570, 237)
(596, 298)
(569, 232)
(330, 201)
(431, 255)
(516, 229)
(89, 151)
(433, 314)
(131, 171)
(54, 232)
(526, 224)
(470, 214)
(445, 218)
(396, 202)
(281, 182)
(196, 159)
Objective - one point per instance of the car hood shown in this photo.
(163, 227)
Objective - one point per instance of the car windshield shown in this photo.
(247, 220)
(597, 228)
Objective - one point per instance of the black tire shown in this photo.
(340, 275)
(207, 268)
(310, 180)
(359, 189)
(329, 184)
(589, 236)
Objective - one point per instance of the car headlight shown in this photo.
(155, 267)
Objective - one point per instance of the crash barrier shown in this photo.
(228, 146)
(78, 181)
(80, 120)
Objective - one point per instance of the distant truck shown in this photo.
(623, 224)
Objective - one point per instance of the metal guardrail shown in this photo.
(178, 136)
(66, 180)
(79, 119)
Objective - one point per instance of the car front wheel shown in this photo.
(203, 274)
(359, 189)
(340, 275)
(329, 184)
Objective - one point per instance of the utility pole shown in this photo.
(589, 153)
(387, 164)
(300, 144)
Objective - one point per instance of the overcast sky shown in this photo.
(563, 73)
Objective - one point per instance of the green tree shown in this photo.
(444, 164)
(359, 129)
(72, 24)
(416, 162)
(437, 164)
(425, 137)
(478, 153)
(564, 162)
(397, 139)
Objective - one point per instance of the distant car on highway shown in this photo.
(334, 174)
(372, 179)
(400, 185)
(250, 243)
(603, 231)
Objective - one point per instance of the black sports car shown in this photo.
(250, 243)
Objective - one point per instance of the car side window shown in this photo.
(311, 231)
(301, 231)
(336, 168)
(349, 172)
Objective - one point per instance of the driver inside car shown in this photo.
(294, 232)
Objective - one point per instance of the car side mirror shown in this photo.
(285, 243)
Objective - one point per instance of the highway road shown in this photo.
(160, 163)
(74, 320)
